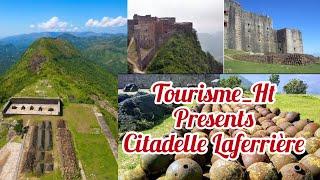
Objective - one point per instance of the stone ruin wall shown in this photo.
(69, 162)
(145, 81)
(37, 156)
(27, 100)
(149, 33)
(254, 33)
(290, 41)
(280, 58)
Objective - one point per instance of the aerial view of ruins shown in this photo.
(250, 42)
(162, 45)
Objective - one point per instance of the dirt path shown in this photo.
(106, 131)
(10, 156)
(106, 105)
(83, 175)
(231, 58)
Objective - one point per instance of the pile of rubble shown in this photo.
(286, 59)
(255, 166)
(67, 152)
(37, 156)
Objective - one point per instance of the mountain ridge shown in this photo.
(109, 50)
(72, 77)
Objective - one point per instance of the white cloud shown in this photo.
(206, 15)
(53, 24)
(107, 22)
(32, 26)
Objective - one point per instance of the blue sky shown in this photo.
(313, 80)
(26, 16)
(303, 15)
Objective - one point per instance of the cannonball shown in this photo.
(311, 127)
(312, 163)
(222, 169)
(312, 145)
(295, 171)
(154, 164)
(262, 170)
(249, 159)
(301, 124)
(184, 169)
(280, 160)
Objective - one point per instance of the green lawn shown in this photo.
(3, 136)
(307, 105)
(241, 66)
(91, 145)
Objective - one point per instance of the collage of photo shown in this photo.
(76, 77)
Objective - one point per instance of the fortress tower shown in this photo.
(254, 33)
(148, 33)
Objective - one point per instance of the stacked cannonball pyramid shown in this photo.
(253, 167)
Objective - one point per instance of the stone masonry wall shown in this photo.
(254, 33)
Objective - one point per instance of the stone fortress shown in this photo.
(254, 33)
(32, 106)
(146, 34)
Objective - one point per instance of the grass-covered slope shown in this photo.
(183, 54)
(110, 51)
(8, 55)
(232, 65)
(307, 105)
(65, 70)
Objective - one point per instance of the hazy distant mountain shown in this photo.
(107, 49)
(25, 40)
(212, 43)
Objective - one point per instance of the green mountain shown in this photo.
(8, 55)
(54, 67)
(182, 53)
(108, 50)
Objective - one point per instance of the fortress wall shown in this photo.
(131, 24)
(145, 35)
(257, 34)
(145, 81)
(294, 40)
(282, 40)
(232, 25)
(253, 32)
